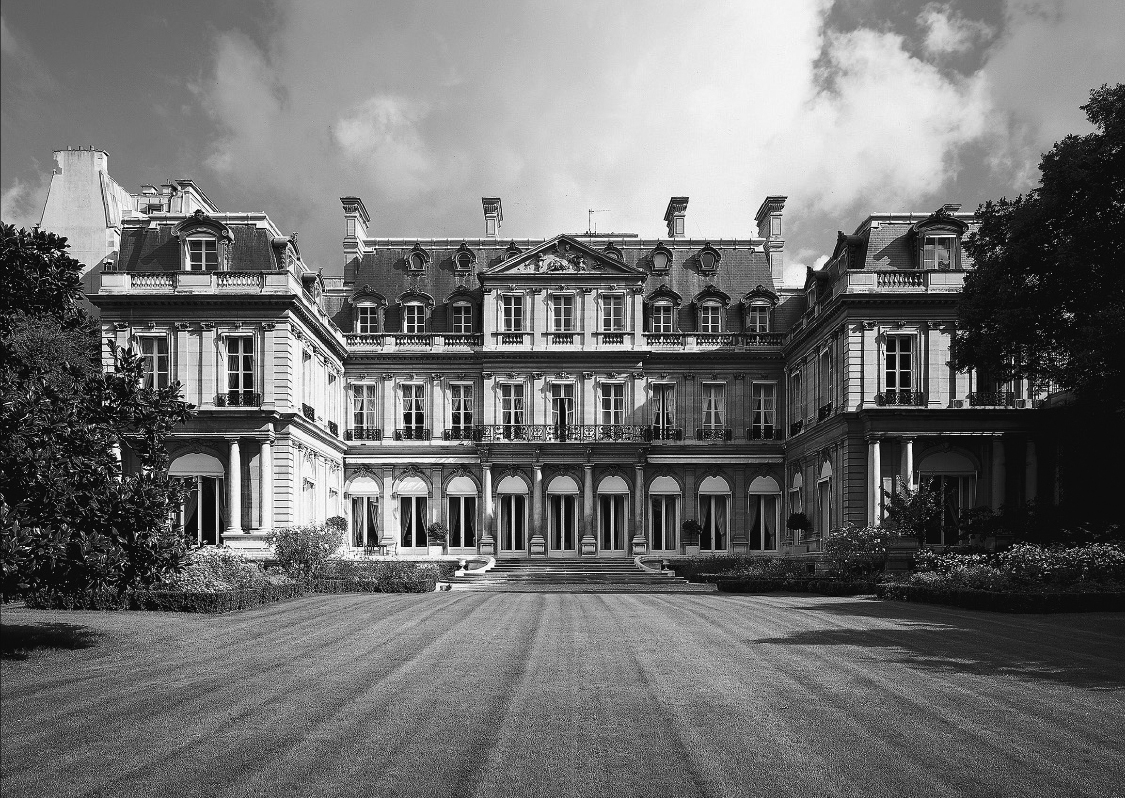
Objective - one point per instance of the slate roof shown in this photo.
(157, 250)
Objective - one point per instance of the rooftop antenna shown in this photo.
(590, 218)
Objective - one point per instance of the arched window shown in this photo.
(463, 258)
(363, 494)
(204, 243)
(661, 258)
(764, 514)
(709, 258)
(512, 496)
(412, 493)
(952, 476)
(202, 515)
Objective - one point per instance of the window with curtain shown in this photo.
(461, 407)
(155, 361)
(613, 404)
(713, 518)
(240, 363)
(365, 520)
(562, 408)
(365, 407)
(714, 405)
(664, 407)
(462, 514)
(764, 519)
(412, 520)
(512, 409)
(413, 407)
(663, 521)
(763, 413)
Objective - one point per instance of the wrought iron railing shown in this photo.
(658, 434)
(309, 412)
(824, 412)
(364, 434)
(714, 434)
(462, 433)
(796, 427)
(557, 433)
(991, 399)
(334, 428)
(238, 399)
(763, 432)
(900, 398)
(412, 434)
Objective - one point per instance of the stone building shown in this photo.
(574, 396)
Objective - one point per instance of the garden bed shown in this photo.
(825, 587)
(1006, 601)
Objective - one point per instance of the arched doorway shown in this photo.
(461, 514)
(363, 493)
(512, 496)
(664, 514)
(412, 496)
(202, 515)
(714, 506)
(562, 515)
(613, 520)
(764, 513)
(824, 500)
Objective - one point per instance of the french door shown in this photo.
(412, 521)
(713, 517)
(562, 409)
(462, 518)
(365, 520)
(513, 522)
(562, 518)
(611, 521)
(664, 521)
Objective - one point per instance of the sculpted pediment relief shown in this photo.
(561, 256)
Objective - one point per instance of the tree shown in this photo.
(1046, 300)
(911, 513)
(70, 521)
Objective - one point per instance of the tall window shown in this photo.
(513, 521)
(306, 377)
(662, 318)
(825, 377)
(612, 520)
(711, 318)
(462, 318)
(365, 408)
(562, 313)
(203, 254)
(664, 409)
(365, 520)
(414, 318)
(413, 408)
(562, 408)
(512, 409)
(462, 517)
(796, 408)
(240, 364)
(562, 518)
(764, 518)
(366, 319)
(512, 306)
(461, 408)
(758, 320)
(763, 413)
(663, 518)
(613, 313)
(154, 359)
(412, 520)
(714, 405)
(713, 518)
(899, 362)
(613, 403)
(937, 252)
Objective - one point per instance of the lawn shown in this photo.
(519, 695)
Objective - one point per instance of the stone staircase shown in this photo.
(511, 575)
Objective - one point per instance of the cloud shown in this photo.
(382, 136)
(21, 203)
(948, 32)
(33, 76)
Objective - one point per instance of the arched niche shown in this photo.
(461, 486)
(764, 486)
(363, 485)
(412, 486)
(196, 465)
(714, 485)
(613, 484)
(563, 484)
(664, 485)
(512, 484)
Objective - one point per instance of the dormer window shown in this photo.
(758, 318)
(202, 254)
(709, 258)
(937, 239)
(613, 251)
(661, 258)
(414, 318)
(463, 258)
(417, 259)
(367, 319)
(663, 317)
(937, 252)
(710, 317)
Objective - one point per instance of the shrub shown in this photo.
(855, 551)
(910, 513)
(692, 530)
(337, 523)
(380, 576)
(303, 551)
(798, 522)
(437, 533)
(1028, 563)
(944, 562)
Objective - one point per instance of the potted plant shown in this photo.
(692, 530)
(798, 525)
(437, 535)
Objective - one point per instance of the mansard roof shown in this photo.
(157, 249)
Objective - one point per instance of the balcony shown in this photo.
(412, 434)
(661, 434)
(412, 341)
(309, 412)
(796, 427)
(552, 433)
(560, 338)
(999, 399)
(392, 342)
(238, 399)
(364, 434)
(713, 434)
(462, 433)
(334, 428)
(824, 412)
(901, 398)
(765, 432)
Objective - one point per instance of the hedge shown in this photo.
(170, 600)
(705, 568)
(1111, 601)
(417, 584)
(826, 587)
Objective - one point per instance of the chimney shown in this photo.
(355, 218)
(951, 207)
(674, 216)
(769, 228)
(493, 216)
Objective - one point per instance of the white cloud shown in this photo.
(382, 135)
(21, 203)
(948, 32)
(33, 76)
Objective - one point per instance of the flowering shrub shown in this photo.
(973, 576)
(944, 562)
(344, 575)
(215, 570)
(857, 551)
(303, 551)
(1093, 562)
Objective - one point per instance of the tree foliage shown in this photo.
(1046, 300)
(70, 521)
(910, 513)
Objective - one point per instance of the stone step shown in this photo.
(618, 575)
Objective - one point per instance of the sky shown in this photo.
(847, 107)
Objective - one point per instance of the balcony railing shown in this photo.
(238, 399)
(334, 428)
(824, 412)
(412, 434)
(561, 339)
(658, 434)
(613, 338)
(766, 432)
(900, 398)
(714, 434)
(552, 433)
(364, 434)
(796, 427)
(462, 433)
(413, 340)
(1001, 399)
(665, 339)
(309, 412)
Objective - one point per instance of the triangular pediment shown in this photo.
(563, 255)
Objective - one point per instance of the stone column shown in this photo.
(487, 540)
(437, 415)
(1031, 476)
(875, 475)
(265, 483)
(998, 473)
(639, 542)
(234, 488)
(437, 499)
(589, 541)
(538, 540)
(198, 511)
(208, 354)
(908, 462)
(388, 535)
(389, 422)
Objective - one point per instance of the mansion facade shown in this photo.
(574, 396)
